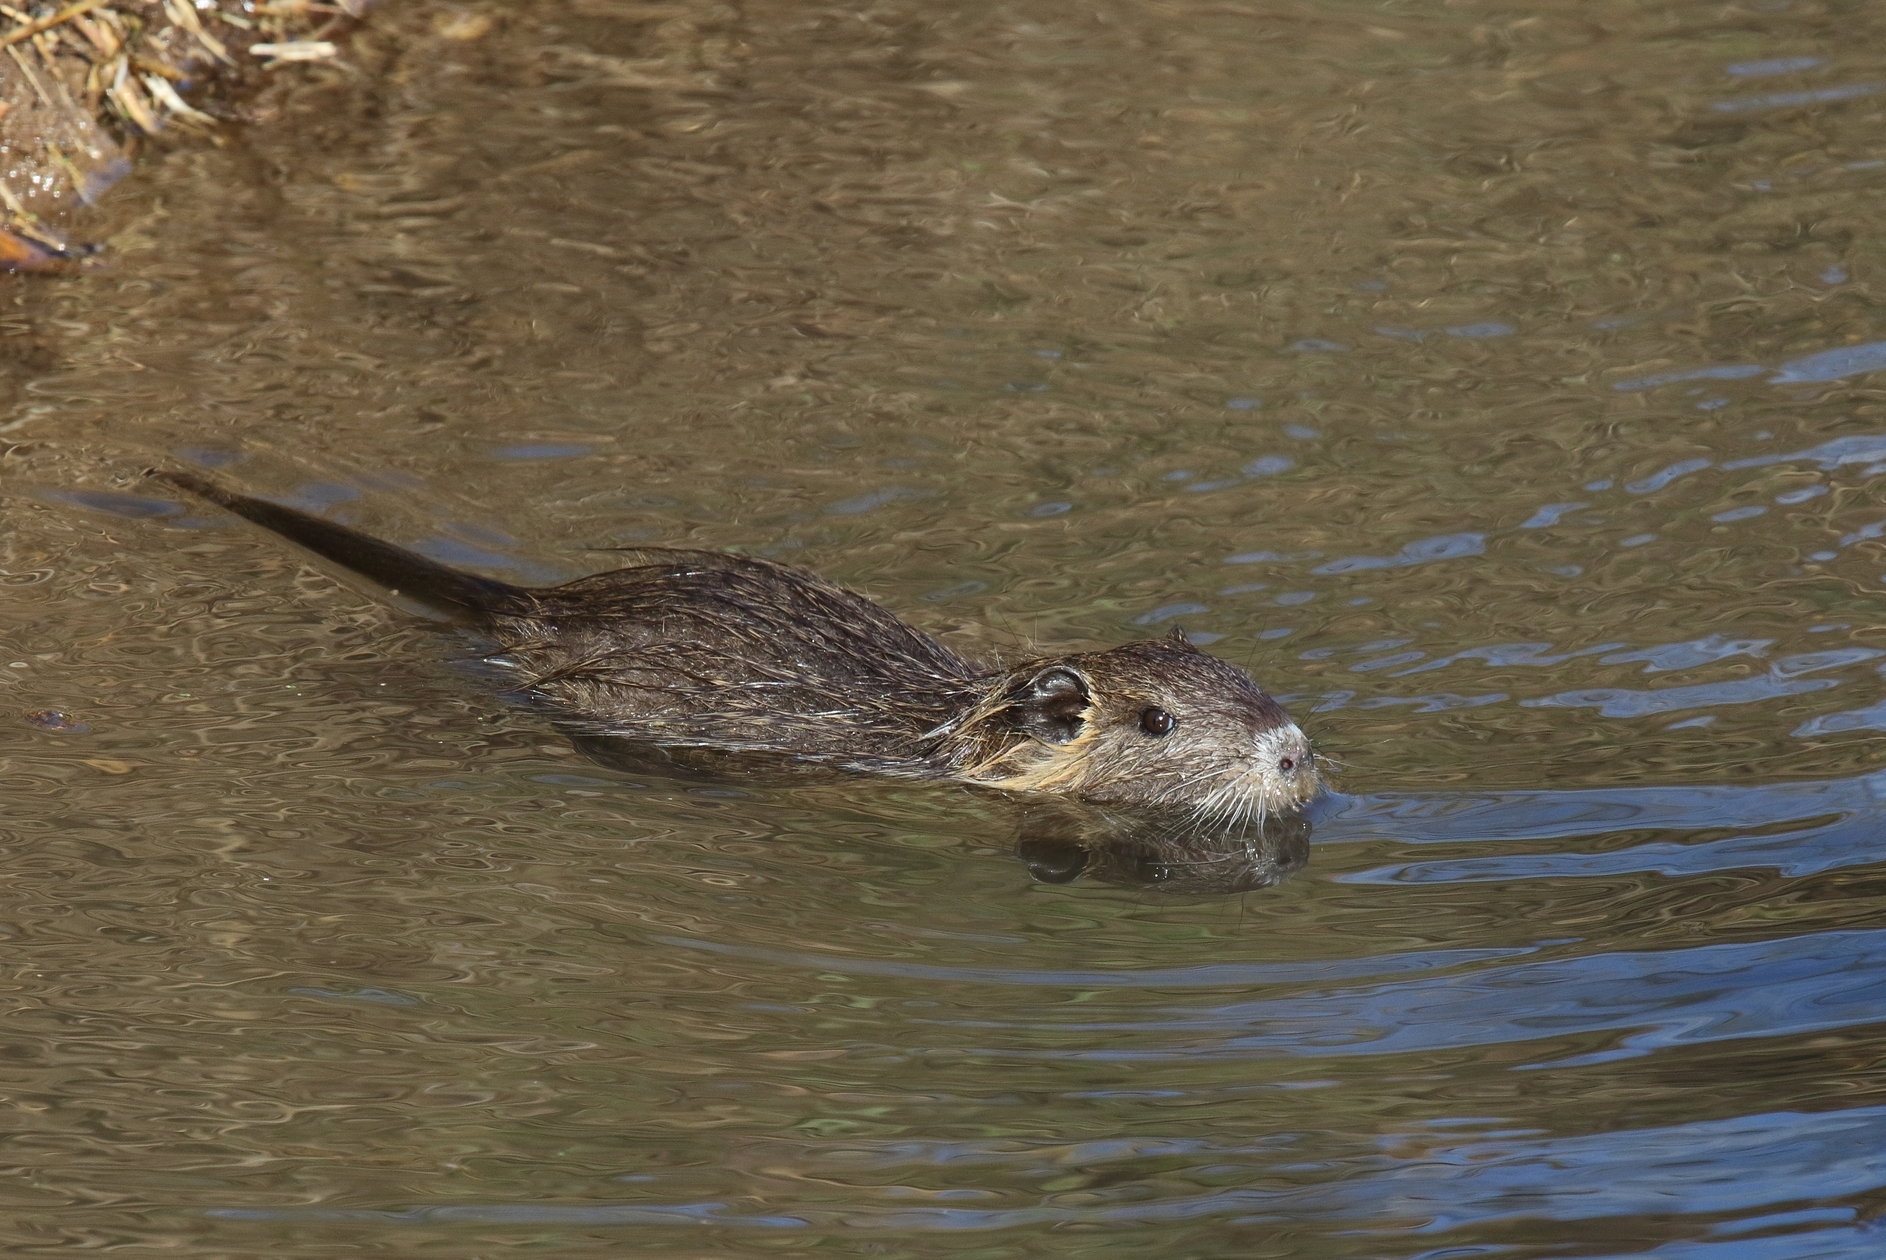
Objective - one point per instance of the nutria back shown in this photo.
(705, 650)
(701, 648)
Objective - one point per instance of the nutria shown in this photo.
(709, 651)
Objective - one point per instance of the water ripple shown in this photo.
(1201, 976)
(1706, 1168)
(1653, 1000)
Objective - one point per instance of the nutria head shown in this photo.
(1151, 723)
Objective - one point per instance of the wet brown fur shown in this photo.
(696, 649)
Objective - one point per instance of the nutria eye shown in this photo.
(1157, 722)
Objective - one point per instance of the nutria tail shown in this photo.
(463, 597)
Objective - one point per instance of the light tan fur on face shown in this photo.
(1034, 766)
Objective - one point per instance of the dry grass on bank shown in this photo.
(84, 83)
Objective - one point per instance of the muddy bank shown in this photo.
(85, 85)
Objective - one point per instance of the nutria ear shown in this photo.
(1052, 705)
(1177, 639)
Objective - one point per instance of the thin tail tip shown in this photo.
(190, 482)
(463, 597)
(175, 476)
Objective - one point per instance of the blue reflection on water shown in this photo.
(1705, 1168)
(1859, 448)
(457, 552)
(543, 450)
(1432, 818)
(1732, 372)
(1444, 547)
(875, 499)
(1859, 1242)
(1201, 975)
(1832, 365)
(1819, 368)
(1772, 65)
(130, 506)
(1624, 702)
(1794, 829)
(1871, 718)
(1647, 1000)
(1811, 96)
(1167, 612)
(1550, 514)
(1692, 652)
(1658, 480)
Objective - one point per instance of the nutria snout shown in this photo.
(707, 650)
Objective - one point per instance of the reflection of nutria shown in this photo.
(699, 650)
(1143, 849)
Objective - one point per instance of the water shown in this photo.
(1500, 383)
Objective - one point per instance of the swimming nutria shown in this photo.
(705, 650)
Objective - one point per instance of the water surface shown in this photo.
(1502, 384)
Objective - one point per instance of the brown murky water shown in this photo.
(1493, 379)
